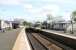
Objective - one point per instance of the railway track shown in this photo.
(35, 45)
(49, 45)
(39, 43)
(41, 40)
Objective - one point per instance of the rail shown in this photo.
(64, 41)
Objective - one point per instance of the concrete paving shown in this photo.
(61, 33)
(8, 38)
(22, 42)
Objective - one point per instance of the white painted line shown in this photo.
(65, 35)
(22, 41)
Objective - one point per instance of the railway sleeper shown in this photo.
(49, 45)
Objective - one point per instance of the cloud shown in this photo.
(40, 8)
(66, 15)
(10, 2)
(43, 10)
(54, 7)
(40, 13)
(28, 7)
(50, 9)
(60, 1)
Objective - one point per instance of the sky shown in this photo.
(36, 10)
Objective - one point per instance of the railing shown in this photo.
(21, 42)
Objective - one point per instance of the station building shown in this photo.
(5, 24)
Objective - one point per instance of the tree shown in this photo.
(27, 23)
(24, 23)
(50, 20)
(74, 16)
(49, 17)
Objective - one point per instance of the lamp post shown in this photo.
(72, 25)
(48, 19)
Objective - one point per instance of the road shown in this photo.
(8, 38)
